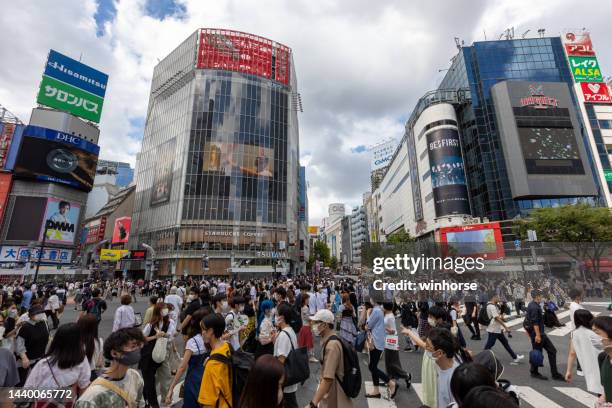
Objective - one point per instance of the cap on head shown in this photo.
(325, 316)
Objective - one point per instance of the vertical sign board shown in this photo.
(6, 136)
(447, 173)
(585, 69)
(72, 86)
(595, 92)
(121, 232)
(5, 188)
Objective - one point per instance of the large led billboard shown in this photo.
(162, 181)
(51, 155)
(447, 173)
(473, 240)
(550, 150)
(60, 222)
(26, 218)
(226, 158)
(242, 52)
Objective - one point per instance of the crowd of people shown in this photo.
(226, 343)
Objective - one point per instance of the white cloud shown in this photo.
(361, 65)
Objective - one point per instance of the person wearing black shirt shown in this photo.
(32, 340)
(534, 325)
(192, 307)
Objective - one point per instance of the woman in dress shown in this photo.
(305, 335)
(193, 362)
(586, 346)
(348, 330)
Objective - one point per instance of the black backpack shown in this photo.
(296, 320)
(351, 383)
(483, 315)
(239, 363)
(408, 315)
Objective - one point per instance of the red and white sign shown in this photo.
(6, 180)
(537, 99)
(121, 233)
(6, 136)
(242, 52)
(595, 92)
(578, 44)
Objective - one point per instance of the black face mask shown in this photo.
(129, 358)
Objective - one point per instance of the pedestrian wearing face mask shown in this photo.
(220, 304)
(265, 329)
(376, 326)
(286, 340)
(32, 340)
(120, 385)
(193, 304)
(602, 326)
(233, 324)
(160, 326)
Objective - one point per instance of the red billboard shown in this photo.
(242, 52)
(578, 44)
(483, 240)
(6, 136)
(595, 92)
(6, 180)
(121, 233)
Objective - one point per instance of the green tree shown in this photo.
(400, 237)
(320, 251)
(333, 263)
(580, 231)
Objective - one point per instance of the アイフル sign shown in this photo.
(595, 92)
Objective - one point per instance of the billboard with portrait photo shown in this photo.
(226, 158)
(121, 232)
(162, 181)
(60, 222)
(58, 157)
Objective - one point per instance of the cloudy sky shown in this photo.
(361, 65)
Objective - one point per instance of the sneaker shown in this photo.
(538, 376)
(580, 373)
(517, 359)
(408, 348)
(313, 360)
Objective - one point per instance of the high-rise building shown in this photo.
(359, 234)
(381, 158)
(502, 134)
(124, 174)
(217, 177)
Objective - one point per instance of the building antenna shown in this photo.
(525, 33)
(80, 56)
(485, 34)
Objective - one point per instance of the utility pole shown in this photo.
(41, 250)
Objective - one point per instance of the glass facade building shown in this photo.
(218, 173)
(476, 69)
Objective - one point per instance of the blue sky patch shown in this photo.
(105, 12)
(160, 9)
(359, 149)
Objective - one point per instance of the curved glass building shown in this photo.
(217, 178)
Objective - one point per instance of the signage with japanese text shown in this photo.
(60, 95)
(595, 92)
(578, 44)
(22, 254)
(585, 69)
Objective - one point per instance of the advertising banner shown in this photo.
(248, 159)
(473, 240)
(61, 221)
(5, 188)
(162, 181)
(241, 52)
(302, 194)
(112, 254)
(608, 174)
(51, 155)
(6, 136)
(22, 254)
(585, 69)
(75, 73)
(550, 150)
(578, 44)
(447, 173)
(595, 92)
(121, 233)
(313, 230)
(382, 154)
(60, 95)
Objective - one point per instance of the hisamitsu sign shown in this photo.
(75, 73)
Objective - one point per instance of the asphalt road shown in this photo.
(534, 393)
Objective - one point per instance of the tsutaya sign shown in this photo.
(538, 100)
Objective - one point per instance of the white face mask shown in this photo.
(432, 322)
(315, 330)
(190, 298)
(40, 317)
(164, 312)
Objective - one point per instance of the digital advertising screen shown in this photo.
(226, 158)
(61, 221)
(447, 173)
(121, 232)
(550, 151)
(51, 155)
(473, 240)
(162, 182)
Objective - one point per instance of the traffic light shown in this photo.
(205, 262)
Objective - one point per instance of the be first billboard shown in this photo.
(72, 86)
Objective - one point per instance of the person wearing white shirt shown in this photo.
(576, 296)
(175, 300)
(286, 340)
(585, 345)
(52, 307)
(124, 315)
(233, 325)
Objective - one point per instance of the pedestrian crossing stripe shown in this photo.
(528, 395)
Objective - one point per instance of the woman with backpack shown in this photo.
(64, 366)
(348, 330)
(192, 362)
(161, 326)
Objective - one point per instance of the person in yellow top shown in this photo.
(215, 390)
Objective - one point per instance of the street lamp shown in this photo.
(149, 269)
